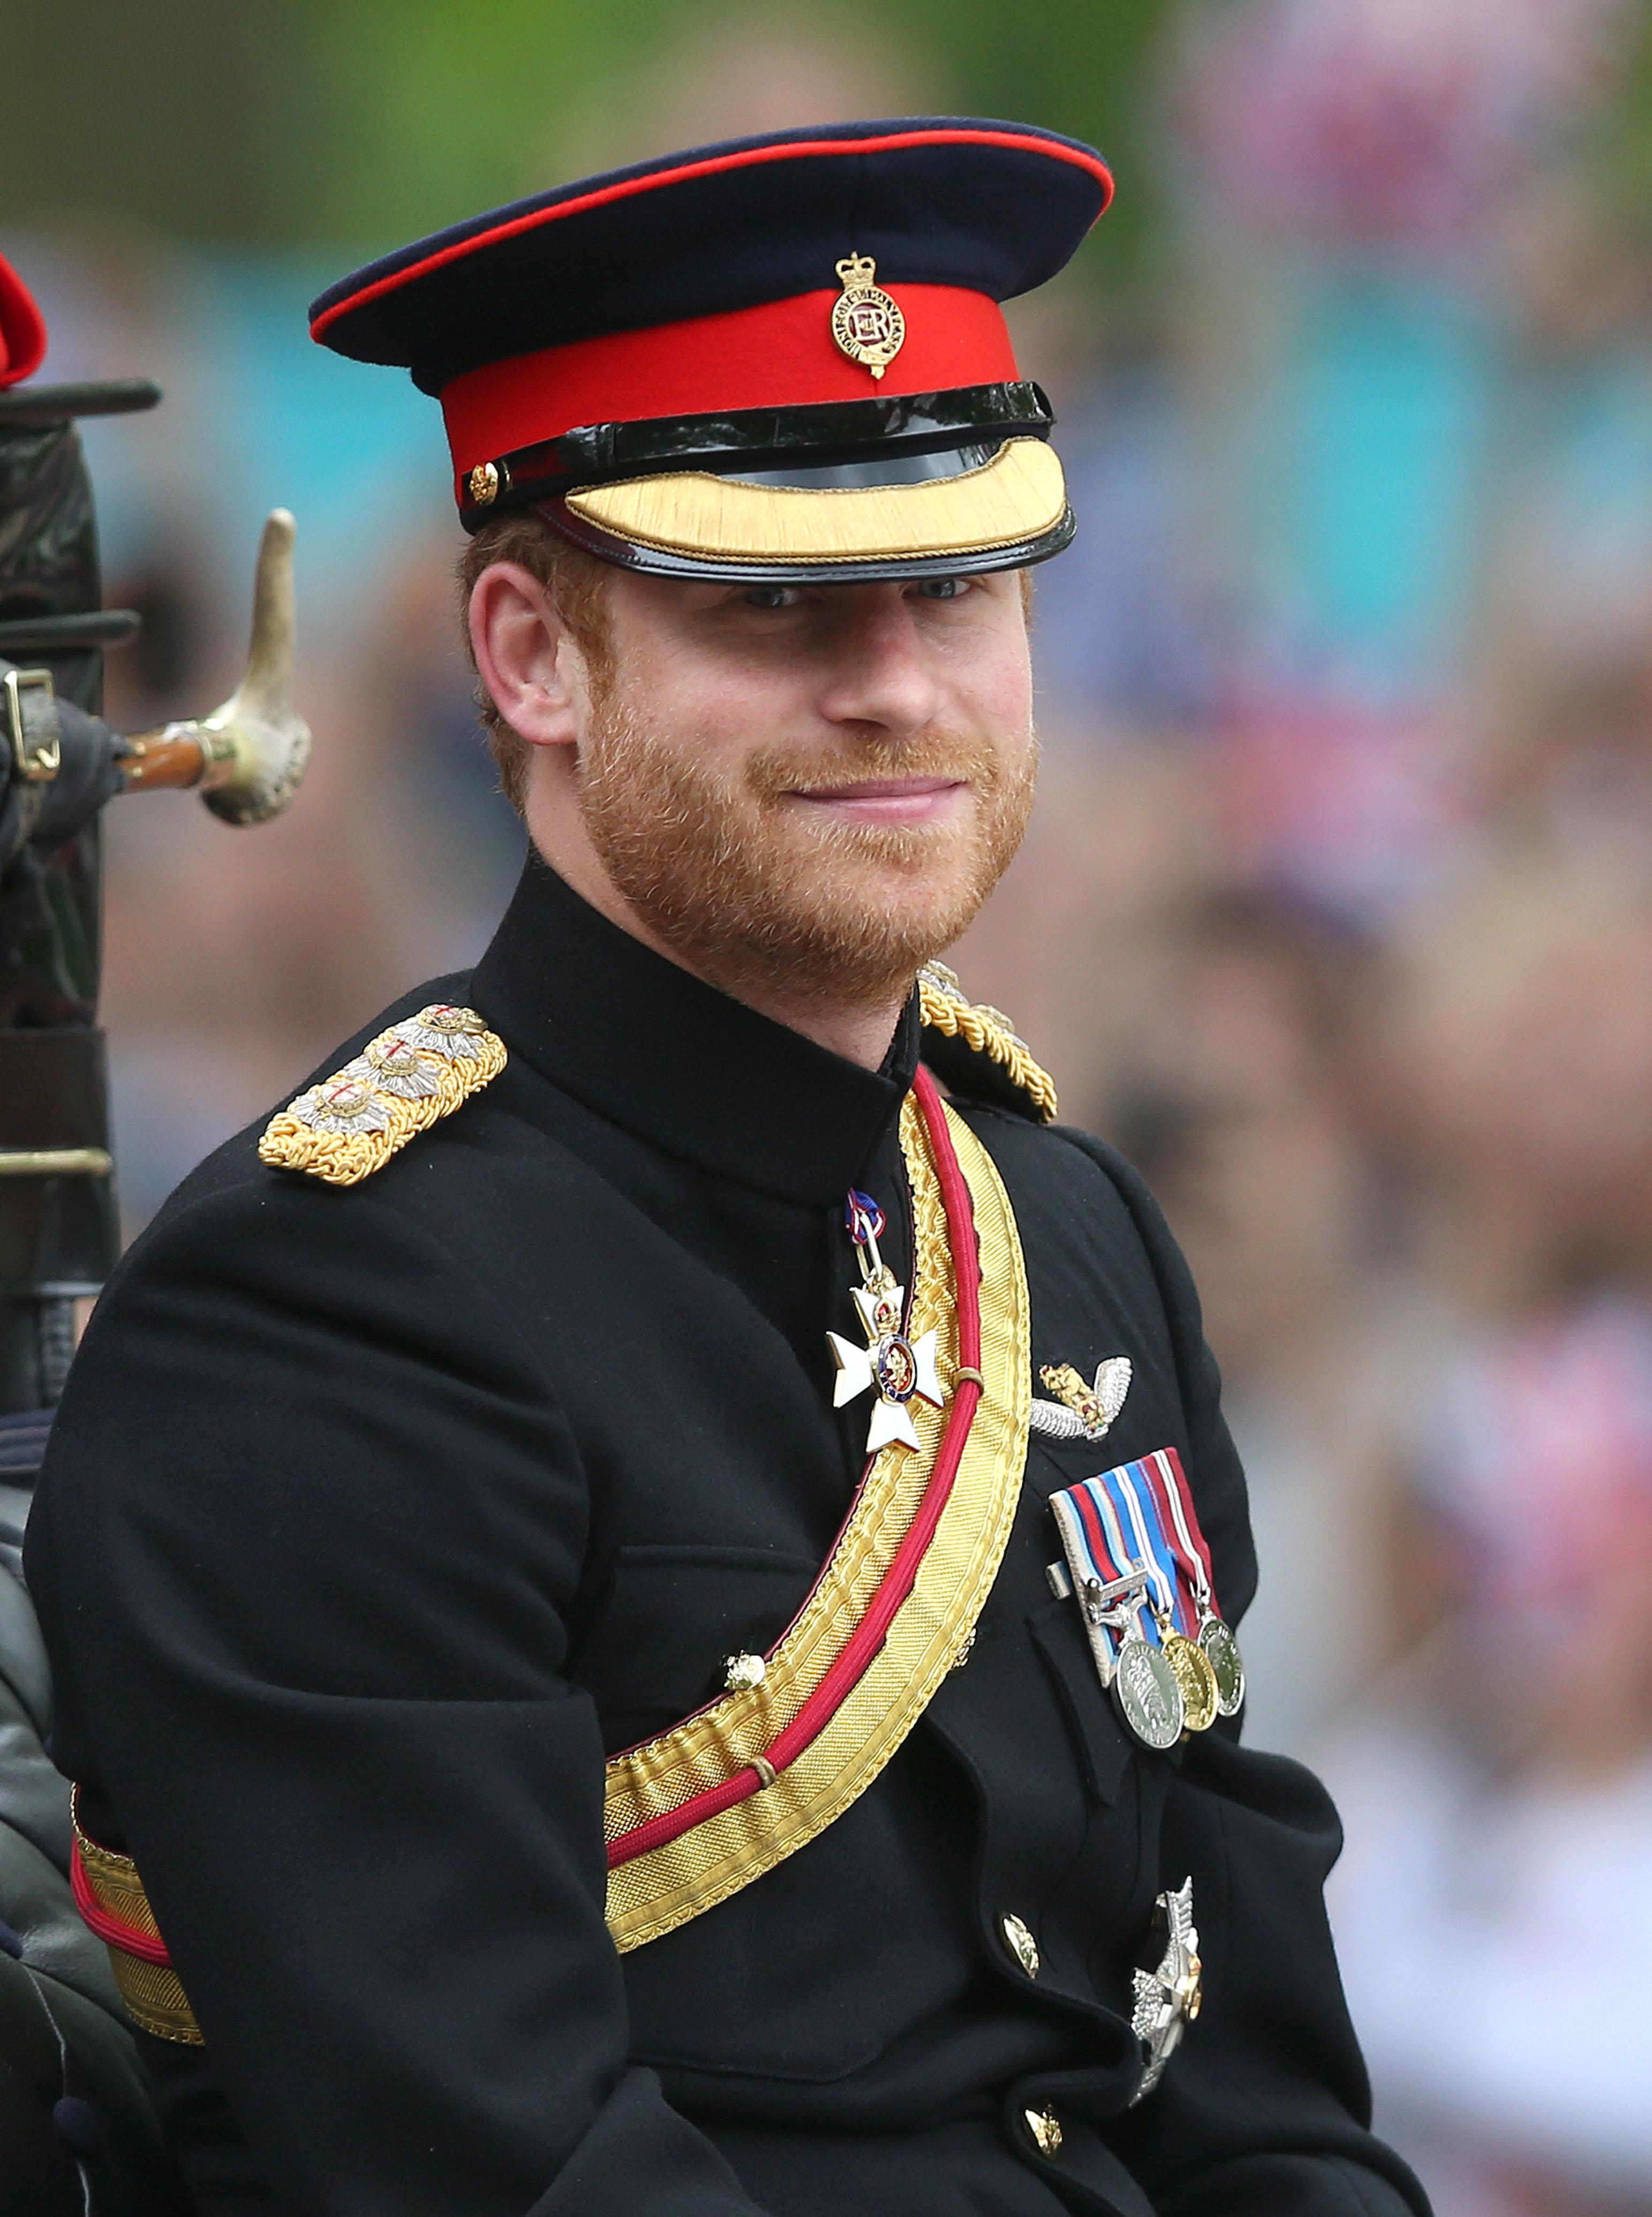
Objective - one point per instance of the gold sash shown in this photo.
(662, 1887)
(654, 1892)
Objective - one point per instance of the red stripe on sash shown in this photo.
(114, 1931)
(896, 1584)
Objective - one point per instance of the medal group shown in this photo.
(1136, 1561)
(1139, 1568)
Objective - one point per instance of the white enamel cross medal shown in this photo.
(894, 1368)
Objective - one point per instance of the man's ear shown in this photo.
(524, 655)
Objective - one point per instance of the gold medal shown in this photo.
(1195, 1675)
(1166, 1479)
(867, 325)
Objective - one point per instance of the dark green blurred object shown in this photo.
(361, 122)
(58, 1236)
(78, 2135)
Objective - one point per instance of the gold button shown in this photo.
(1021, 1943)
(741, 1672)
(482, 484)
(1046, 2128)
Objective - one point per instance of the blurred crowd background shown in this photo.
(1337, 912)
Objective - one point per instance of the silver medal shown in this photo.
(1147, 1694)
(1223, 1649)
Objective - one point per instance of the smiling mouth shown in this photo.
(884, 800)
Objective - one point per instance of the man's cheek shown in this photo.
(993, 698)
(1008, 698)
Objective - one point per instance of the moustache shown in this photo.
(957, 757)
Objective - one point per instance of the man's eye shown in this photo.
(942, 589)
(770, 596)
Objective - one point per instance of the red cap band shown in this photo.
(781, 354)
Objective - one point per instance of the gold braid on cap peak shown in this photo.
(403, 1082)
(947, 1009)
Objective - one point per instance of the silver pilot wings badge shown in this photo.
(1081, 1410)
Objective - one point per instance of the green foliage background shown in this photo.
(355, 125)
(361, 123)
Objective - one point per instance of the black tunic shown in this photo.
(374, 1518)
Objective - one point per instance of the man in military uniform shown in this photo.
(642, 1584)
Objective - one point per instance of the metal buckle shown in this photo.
(1103, 1605)
(32, 720)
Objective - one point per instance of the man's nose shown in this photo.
(883, 674)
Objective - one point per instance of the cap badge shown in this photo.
(867, 325)
(482, 484)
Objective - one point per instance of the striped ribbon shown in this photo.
(1138, 1518)
(1164, 1470)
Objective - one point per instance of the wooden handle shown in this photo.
(166, 761)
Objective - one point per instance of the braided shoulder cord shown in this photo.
(988, 1031)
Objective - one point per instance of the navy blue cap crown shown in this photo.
(995, 207)
(776, 358)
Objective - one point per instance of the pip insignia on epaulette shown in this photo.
(947, 1009)
(403, 1082)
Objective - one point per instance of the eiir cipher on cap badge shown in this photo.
(867, 323)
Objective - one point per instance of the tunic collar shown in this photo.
(672, 1060)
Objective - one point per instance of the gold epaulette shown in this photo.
(947, 1009)
(403, 1082)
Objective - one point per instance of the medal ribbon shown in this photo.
(1138, 1517)
(1113, 1526)
(863, 1218)
(1134, 1492)
(1079, 1513)
(1109, 1505)
(1165, 1476)
(1094, 1542)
